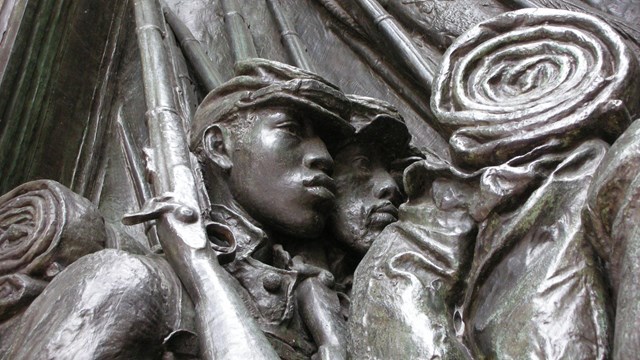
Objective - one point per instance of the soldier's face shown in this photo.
(280, 173)
(367, 197)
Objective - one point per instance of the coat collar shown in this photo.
(250, 239)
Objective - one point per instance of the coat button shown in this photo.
(272, 282)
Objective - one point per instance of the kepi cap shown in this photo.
(260, 83)
(378, 122)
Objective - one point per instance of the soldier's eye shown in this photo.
(362, 164)
(291, 127)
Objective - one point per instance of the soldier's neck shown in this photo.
(220, 194)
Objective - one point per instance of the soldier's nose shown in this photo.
(317, 156)
(385, 187)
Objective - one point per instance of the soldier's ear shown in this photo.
(217, 146)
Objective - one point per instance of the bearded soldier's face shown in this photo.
(367, 196)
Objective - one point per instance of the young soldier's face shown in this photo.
(367, 196)
(280, 173)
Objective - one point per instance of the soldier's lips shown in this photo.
(321, 192)
(321, 186)
(383, 214)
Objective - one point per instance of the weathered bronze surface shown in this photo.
(319, 179)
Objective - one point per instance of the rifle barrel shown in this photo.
(187, 97)
(406, 89)
(400, 41)
(203, 67)
(290, 38)
(242, 44)
(225, 328)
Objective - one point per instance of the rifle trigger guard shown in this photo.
(158, 206)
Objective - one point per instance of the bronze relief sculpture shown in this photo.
(259, 138)
(272, 215)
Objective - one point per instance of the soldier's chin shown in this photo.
(362, 243)
(308, 227)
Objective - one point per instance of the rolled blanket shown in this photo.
(44, 227)
(530, 78)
